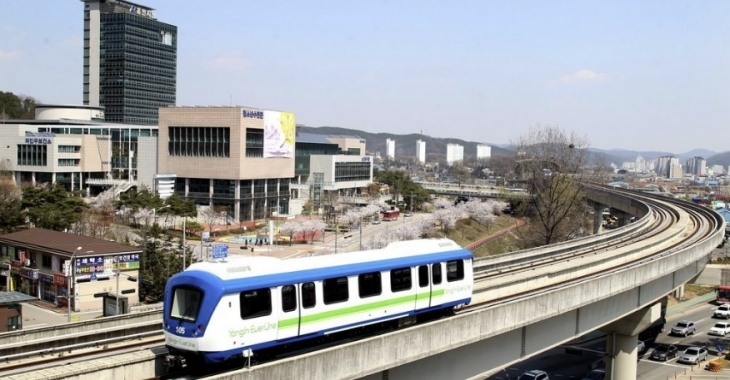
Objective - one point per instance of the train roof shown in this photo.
(236, 267)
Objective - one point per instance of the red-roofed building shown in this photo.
(39, 258)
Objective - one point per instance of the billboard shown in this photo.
(279, 129)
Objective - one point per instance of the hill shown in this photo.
(405, 145)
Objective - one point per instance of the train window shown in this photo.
(335, 290)
(454, 270)
(436, 273)
(400, 279)
(423, 276)
(370, 284)
(309, 297)
(185, 303)
(255, 303)
(288, 298)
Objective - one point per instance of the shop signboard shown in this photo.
(59, 279)
(29, 273)
(45, 278)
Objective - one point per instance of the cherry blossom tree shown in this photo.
(311, 227)
(290, 229)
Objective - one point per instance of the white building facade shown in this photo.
(454, 153)
(483, 151)
(390, 149)
(421, 151)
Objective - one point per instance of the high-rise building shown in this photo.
(390, 149)
(454, 153)
(696, 166)
(640, 164)
(421, 151)
(130, 61)
(483, 151)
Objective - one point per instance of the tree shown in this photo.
(96, 221)
(459, 171)
(11, 214)
(52, 207)
(16, 106)
(137, 199)
(551, 162)
(163, 260)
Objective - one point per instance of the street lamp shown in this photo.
(154, 212)
(70, 280)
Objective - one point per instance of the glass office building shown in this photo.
(130, 61)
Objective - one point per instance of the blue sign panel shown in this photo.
(220, 251)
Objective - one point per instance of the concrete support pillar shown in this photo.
(597, 217)
(679, 292)
(622, 341)
(32, 178)
(53, 177)
(187, 186)
(210, 192)
(73, 181)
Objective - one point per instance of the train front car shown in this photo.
(190, 300)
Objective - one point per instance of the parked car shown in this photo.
(376, 221)
(596, 374)
(534, 374)
(683, 328)
(723, 311)
(720, 329)
(408, 214)
(693, 355)
(641, 346)
(664, 352)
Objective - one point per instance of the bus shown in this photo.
(723, 294)
(392, 214)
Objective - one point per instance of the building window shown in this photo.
(254, 142)
(46, 261)
(69, 149)
(335, 290)
(32, 155)
(454, 270)
(352, 171)
(369, 284)
(15, 323)
(400, 279)
(199, 141)
(255, 303)
(68, 162)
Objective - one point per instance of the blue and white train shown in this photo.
(220, 310)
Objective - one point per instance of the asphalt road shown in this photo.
(560, 365)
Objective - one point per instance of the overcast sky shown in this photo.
(642, 75)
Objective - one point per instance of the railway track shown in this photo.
(665, 227)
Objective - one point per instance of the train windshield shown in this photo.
(186, 303)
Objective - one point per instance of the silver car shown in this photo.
(693, 355)
(683, 328)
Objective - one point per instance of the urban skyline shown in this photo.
(641, 76)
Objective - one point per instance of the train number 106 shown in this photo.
(180, 330)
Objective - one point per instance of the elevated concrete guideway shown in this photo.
(472, 343)
(505, 332)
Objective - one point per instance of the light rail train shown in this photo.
(216, 311)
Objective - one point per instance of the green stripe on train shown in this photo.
(347, 311)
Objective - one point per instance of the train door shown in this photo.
(289, 315)
(423, 292)
(437, 284)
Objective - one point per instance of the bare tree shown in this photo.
(551, 162)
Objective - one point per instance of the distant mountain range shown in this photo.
(405, 145)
